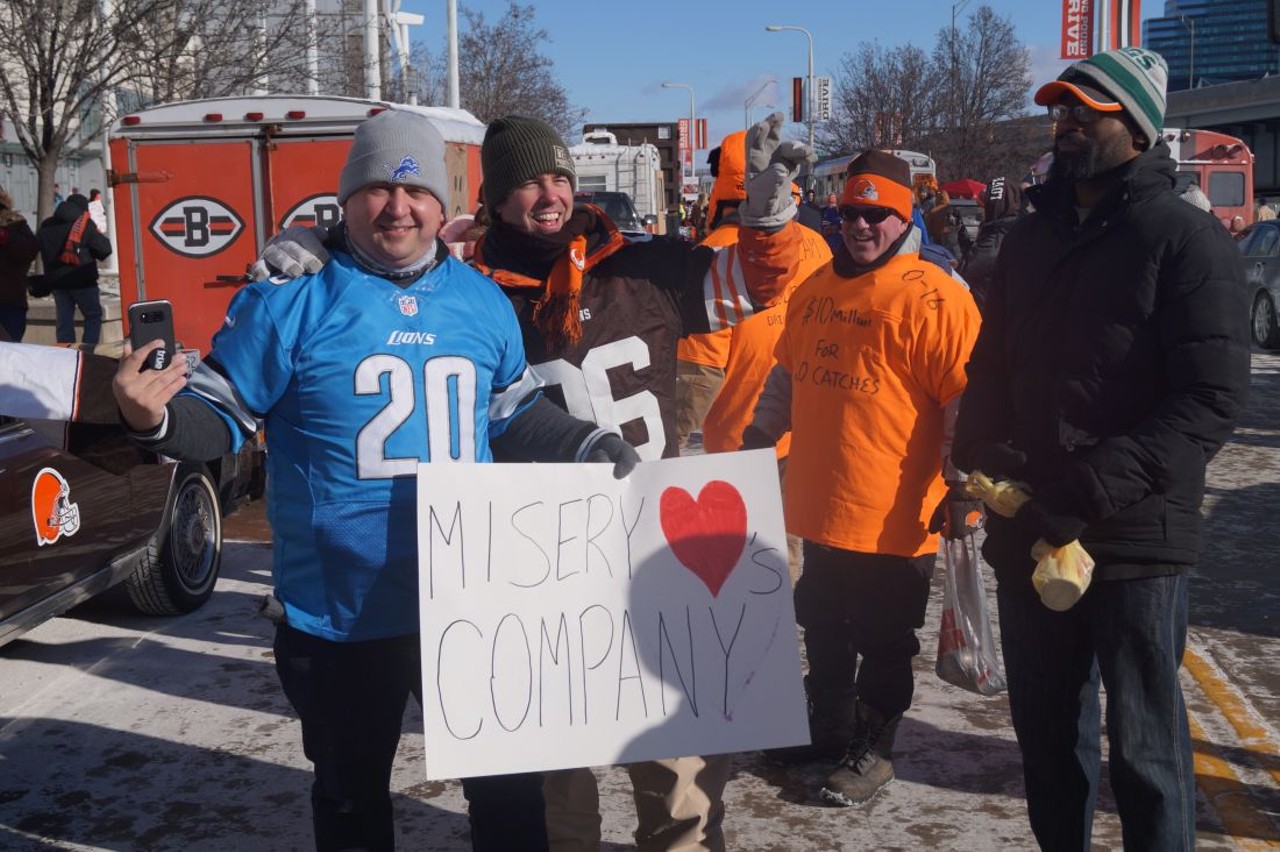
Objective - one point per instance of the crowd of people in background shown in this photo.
(68, 245)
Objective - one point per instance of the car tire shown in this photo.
(1264, 322)
(180, 567)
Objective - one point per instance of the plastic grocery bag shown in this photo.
(967, 655)
(1062, 573)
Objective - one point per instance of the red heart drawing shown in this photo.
(707, 535)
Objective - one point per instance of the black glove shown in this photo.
(958, 515)
(755, 438)
(1038, 520)
(999, 461)
(610, 448)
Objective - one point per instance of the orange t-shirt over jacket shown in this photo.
(749, 356)
(874, 360)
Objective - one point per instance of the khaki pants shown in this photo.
(679, 805)
(696, 388)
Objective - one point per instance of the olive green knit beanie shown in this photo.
(517, 149)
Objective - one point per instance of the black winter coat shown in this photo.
(53, 235)
(979, 263)
(18, 247)
(1115, 355)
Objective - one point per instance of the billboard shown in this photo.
(1077, 29)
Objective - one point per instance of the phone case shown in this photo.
(150, 321)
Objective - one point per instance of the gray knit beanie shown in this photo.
(396, 146)
(517, 149)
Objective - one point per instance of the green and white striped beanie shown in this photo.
(1133, 77)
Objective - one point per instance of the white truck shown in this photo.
(604, 165)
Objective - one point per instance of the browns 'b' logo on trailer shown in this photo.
(322, 209)
(197, 226)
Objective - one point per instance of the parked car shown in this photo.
(83, 509)
(969, 215)
(619, 207)
(1260, 245)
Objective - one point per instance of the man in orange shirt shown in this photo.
(870, 370)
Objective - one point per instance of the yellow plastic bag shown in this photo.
(1004, 497)
(1062, 573)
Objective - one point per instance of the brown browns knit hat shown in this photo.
(517, 149)
(879, 179)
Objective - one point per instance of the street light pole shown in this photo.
(1190, 24)
(956, 7)
(693, 127)
(750, 102)
(808, 111)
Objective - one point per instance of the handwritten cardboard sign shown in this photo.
(571, 619)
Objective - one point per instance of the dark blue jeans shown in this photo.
(87, 300)
(350, 697)
(1129, 635)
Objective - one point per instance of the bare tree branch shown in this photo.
(955, 103)
(501, 70)
(66, 63)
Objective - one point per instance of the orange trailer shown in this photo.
(200, 186)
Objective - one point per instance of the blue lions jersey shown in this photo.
(357, 381)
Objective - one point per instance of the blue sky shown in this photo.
(613, 56)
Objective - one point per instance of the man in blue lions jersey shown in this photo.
(394, 353)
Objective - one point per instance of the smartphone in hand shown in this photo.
(150, 321)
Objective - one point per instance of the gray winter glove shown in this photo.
(608, 447)
(292, 253)
(772, 166)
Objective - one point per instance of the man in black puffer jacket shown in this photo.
(1002, 207)
(71, 246)
(1112, 364)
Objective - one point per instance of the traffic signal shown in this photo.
(1273, 20)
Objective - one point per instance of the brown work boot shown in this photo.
(867, 767)
(830, 727)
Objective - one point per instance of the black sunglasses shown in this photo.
(870, 215)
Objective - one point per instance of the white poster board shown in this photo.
(571, 619)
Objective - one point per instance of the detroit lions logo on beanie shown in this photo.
(408, 167)
(396, 146)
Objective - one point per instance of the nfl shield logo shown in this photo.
(408, 305)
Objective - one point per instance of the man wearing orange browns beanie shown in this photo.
(870, 371)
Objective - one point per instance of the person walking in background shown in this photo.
(1001, 209)
(319, 360)
(57, 195)
(18, 248)
(1112, 365)
(831, 223)
(807, 212)
(70, 247)
(870, 370)
(98, 211)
